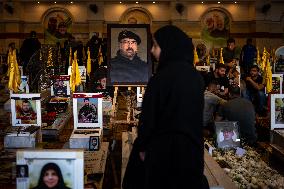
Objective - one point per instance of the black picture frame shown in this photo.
(95, 147)
(129, 76)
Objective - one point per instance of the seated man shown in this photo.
(219, 76)
(211, 103)
(255, 90)
(241, 110)
(231, 53)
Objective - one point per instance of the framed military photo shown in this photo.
(203, 68)
(61, 86)
(277, 111)
(50, 169)
(94, 144)
(24, 86)
(227, 134)
(26, 109)
(129, 59)
(87, 110)
(277, 83)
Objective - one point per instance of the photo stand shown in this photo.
(277, 83)
(26, 121)
(67, 164)
(227, 134)
(277, 123)
(88, 119)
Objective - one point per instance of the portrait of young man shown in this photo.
(94, 143)
(128, 56)
(60, 88)
(228, 138)
(25, 114)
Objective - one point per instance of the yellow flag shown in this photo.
(258, 57)
(14, 72)
(208, 60)
(75, 78)
(89, 66)
(221, 56)
(100, 56)
(268, 78)
(195, 56)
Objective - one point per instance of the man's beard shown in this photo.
(129, 53)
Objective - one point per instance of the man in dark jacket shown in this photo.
(170, 128)
(127, 67)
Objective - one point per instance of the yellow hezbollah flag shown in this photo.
(14, 72)
(100, 56)
(258, 57)
(221, 56)
(75, 78)
(89, 66)
(268, 77)
(70, 56)
(208, 60)
(195, 56)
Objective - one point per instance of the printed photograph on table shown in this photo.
(51, 169)
(129, 58)
(227, 134)
(24, 86)
(61, 86)
(87, 110)
(26, 110)
(277, 82)
(277, 111)
(94, 144)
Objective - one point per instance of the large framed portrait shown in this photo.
(277, 111)
(227, 134)
(129, 59)
(87, 110)
(61, 86)
(277, 82)
(26, 109)
(50, 169)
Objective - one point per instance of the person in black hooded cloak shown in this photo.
(170, 137)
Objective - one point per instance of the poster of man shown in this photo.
(87, 110)
(129, 60)
(22, 171)
(26, 112)
(60, 88)
(227, 134)
(24, 87)
(94, 143)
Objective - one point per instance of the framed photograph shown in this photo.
(277, 82)
(26, 109)
(87, 110)
(234, 76)
(94, 144)
(227, 134)
(277, 111)
(100, 77)
(61, 86)
(82, 70)
(24, 86)
(51, 169)
(129, 59)
(140, 92)
(203, 68)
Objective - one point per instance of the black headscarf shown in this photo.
(175, 45)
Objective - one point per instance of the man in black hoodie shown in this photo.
(170, 140)
(127, 67)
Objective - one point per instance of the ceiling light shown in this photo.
(154, 2)
(235, 2)
(219, 2)
(120, 2)
(38, 2)
(55, 2)
(202, 2)
(137, 2)
(71, 2)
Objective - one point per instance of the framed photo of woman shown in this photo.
(51, 169)
(129, 59)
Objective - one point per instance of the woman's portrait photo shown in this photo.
(128, 57)
(53, 174)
